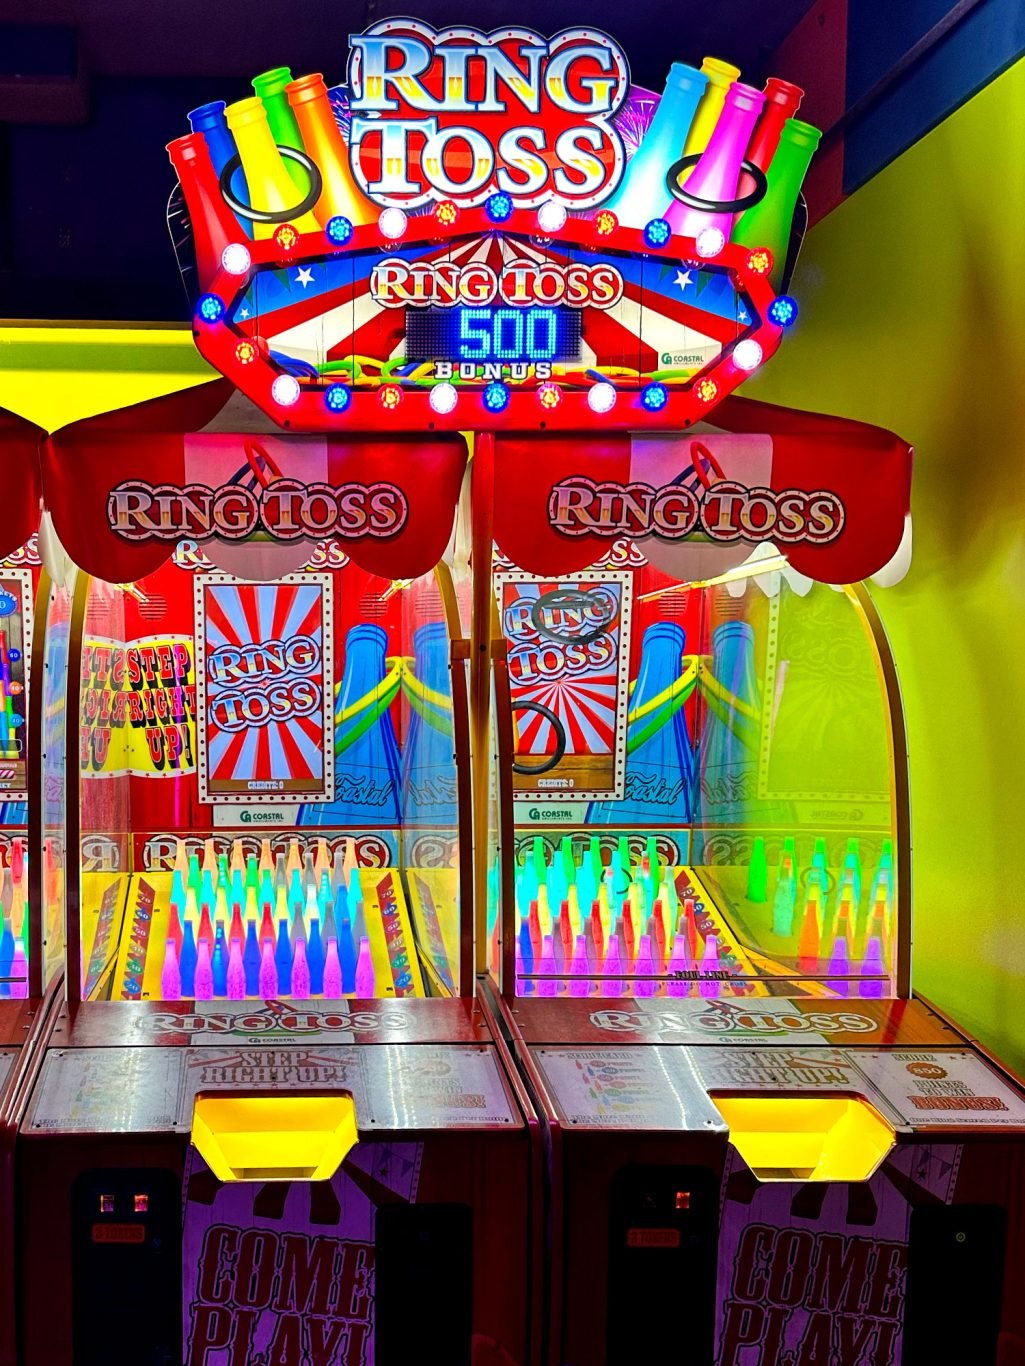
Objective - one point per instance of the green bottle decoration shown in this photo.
(271, 89)
(767, 223)
(758, 873)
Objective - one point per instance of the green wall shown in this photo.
(913, 317)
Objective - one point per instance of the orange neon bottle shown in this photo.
(325, 145)
(213, 223)
(270, 186)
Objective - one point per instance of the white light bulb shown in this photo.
(710, 242)
(601, 397)
(747, 354)
(392, 223)
(444, 397)
(551, 216)
(285, 390)
(235, 258)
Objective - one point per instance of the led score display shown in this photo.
(493, 335)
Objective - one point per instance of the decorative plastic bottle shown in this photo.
(235, 978)
(270, 186)
(326, 146)
(270, 87)
(428, 765)
(267, 983)
(767, 224)
(641, 194)
(716, 177)
(728, 746)
(660, 771)
(720, 76)
(368, 768)
(366, 984)
(213, 223)
(170, 975)
(782, 101)
(332, 972)
(209, 120)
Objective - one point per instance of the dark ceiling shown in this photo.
(92, 90)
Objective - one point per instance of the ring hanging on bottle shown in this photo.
(273, 215)
(560, 739)
(693, 201)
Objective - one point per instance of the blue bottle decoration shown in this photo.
(315, 958)
(367, 760)
(209, 120)
(660, 770)
(283, 958)
(642, 195)
(428, 763)
(251, 960)
(6, 956)
(187, 961)
(729, 742)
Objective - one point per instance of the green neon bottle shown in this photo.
(767, 223)
(270, 86)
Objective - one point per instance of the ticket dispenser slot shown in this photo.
(663, 1234)
(272, 1137)
(126, 1267)
(806, 1137)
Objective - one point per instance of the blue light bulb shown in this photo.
(339, 229)
(498, 207)
(783, 311)
(654, 396)
(337, 397)
(496, 397)
(210, 308)
(658, 232)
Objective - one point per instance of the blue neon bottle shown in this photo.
(187, 961)
(660, 771)
(729, 741)
(6, 956)
(251, 960)
(428, 762)
(219, 963)
(315, 958)
(283, 958)
(209, 119)
(642, 195)
(367, 769)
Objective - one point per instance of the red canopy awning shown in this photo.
(120, 487)
(864, 470)
(20, 442)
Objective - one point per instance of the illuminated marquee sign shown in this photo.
(265, 697)
(462, 115)
(284, 509)
(728, 511)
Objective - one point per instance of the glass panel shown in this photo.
(728, 830)
(268, 775)
(54, 761)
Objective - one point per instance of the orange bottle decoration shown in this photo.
(326, 146)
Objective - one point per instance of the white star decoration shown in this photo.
(742, 316)
(243, 312)
(683, 278)
(304, 277)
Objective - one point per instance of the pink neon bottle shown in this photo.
(716, 176)
(204, 987)
(170, 973)
(332, 972)
(268, 980)
(236, 972)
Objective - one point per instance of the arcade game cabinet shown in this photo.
(764, 1150)
(30, 951)
(272, 1122)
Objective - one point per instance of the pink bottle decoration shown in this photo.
(520, 983)
(204, 988)
(710, 987)
(873, 967)
(19, 971)
(547, 985)
(614, 986)
(332, 972)
(839, 963)
(366, 982)
(300, 972)
(645, 964)
(236, 973)
(579, 985)
(716, 177)
(268, 979)
(170, 974)
(679, 961)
